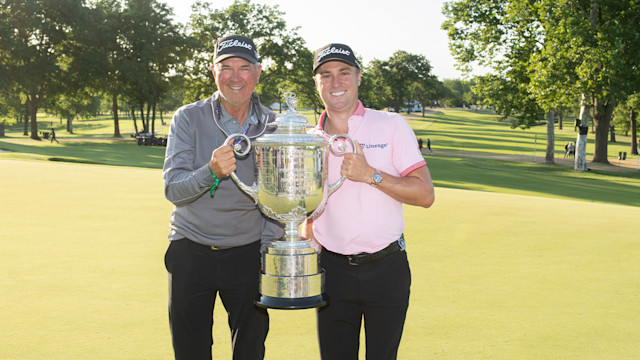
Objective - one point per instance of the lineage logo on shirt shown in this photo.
(374, 146)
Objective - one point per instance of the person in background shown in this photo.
(361, 228)
(53, 135)
(572, 150)
(217, 232)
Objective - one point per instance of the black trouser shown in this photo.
(378, 291)
(196, 274)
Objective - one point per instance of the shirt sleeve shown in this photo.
(183, 183)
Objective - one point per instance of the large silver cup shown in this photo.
(291, 186)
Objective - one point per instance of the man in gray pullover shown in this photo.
(216, 230)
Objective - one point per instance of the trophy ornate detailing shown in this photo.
(291, 186)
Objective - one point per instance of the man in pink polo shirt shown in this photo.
(361, 227)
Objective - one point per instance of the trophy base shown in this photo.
(270, 302)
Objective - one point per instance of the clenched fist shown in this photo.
(355, 166)
(223, 161)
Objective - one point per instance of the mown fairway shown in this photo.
(513, 261)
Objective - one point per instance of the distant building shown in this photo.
(410, 106)
(277, 106)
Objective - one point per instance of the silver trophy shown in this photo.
(291, 186)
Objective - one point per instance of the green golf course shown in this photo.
(515, 259)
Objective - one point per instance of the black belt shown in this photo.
(210, 247)
(366, 258)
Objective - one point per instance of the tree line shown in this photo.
(551, 56)
(70, 56)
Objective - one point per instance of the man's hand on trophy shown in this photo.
(355, 166)
(306, 229)
(223, 161)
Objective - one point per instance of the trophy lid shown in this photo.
(289, 127)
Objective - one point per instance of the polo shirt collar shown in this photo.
(232, 124)
(358, 112)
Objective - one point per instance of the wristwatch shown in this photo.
(376, 178)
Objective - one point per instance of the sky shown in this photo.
(374, 29)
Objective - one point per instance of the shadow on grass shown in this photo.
(79, 161)
(105, 152)
(622, 188)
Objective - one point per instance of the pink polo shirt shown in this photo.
(359, 217)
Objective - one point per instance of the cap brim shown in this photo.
(227, 56)
(325, 60)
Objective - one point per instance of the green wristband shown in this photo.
(215, 183)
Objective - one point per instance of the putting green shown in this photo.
(495, 276)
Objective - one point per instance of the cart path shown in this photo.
(628, 165)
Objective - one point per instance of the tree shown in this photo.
(625, 119)
(395, 76)
(100, 51)
(506, 41)
(11, 103)
(634, 107)
(510, 99)
(598, 39)
(174, 98)
(153, 47)
(552, 51)
(32, 37)
(85, 63)
(427, 91)
(301, 82)
(278, 47)
(374, 90)
(69, 107)
(458, 93)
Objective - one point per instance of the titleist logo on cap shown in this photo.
(231, 43)
(333, 50)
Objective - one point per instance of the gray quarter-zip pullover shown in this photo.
(230, 217)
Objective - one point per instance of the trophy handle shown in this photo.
(250, 190)
(342, 150)
(290, 99)
(236, 145)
